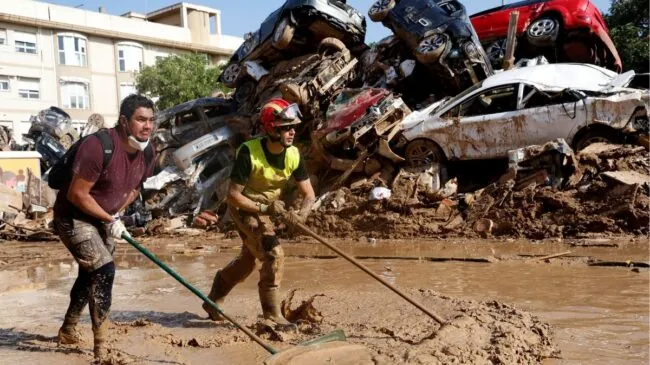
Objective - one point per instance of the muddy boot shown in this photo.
(270, 300)
(99, 349)
(68, 333)
(217, 295)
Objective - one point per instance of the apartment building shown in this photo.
(85, 62)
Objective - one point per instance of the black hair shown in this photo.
(133, 102)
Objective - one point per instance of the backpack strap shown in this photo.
(107, 145)
(148, 155)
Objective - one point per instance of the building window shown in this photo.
(126, 90)
(29, 88)
(72, 50)
(25, 42)
(3, 36)
(4, 83)
(74, 95)
(130, 57)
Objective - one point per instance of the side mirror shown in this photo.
(248, 36)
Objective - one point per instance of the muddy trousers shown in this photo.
(263, 246)
(91, 247)
(95, 289)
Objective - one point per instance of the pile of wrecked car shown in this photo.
(425, 105)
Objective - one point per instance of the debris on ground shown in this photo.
(547, 193)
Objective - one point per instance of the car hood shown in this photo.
(418, 116)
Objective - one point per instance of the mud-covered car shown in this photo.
(580, 103)
(323, 77)
(55, 122)
(441, 37)
(562, 30)
(360, 125)
(296, 28)
(193, 141)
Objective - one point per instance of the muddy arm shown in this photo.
(238, 200)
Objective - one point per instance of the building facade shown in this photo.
(85, 62)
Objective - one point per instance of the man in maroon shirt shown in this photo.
(86, 214)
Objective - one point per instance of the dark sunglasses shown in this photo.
(285, 128)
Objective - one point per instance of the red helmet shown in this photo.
(278, 112)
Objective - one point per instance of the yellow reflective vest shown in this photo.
(265, 182)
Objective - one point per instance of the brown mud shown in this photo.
(592, 203)
(516, 308)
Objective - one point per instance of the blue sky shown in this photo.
(241, 16)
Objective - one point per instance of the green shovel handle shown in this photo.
(196, 292)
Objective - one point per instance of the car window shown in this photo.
(497, 100)
(456, 99)
(534, 98)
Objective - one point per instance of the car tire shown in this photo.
(230, 74)
(380, 9)
(606, 135)
(543, 31)
(423, 152)
(293, 93)
(283, 34)
(331, 45)
(430, 48)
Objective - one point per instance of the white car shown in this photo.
(532, 105)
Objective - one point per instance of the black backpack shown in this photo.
(60, 174)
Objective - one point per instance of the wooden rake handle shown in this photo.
(293, 220)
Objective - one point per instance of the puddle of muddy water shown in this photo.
(600, 315)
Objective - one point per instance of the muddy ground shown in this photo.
(590, 203)
(505, 303)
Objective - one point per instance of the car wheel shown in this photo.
(423, 152)
(497, 51)
(543, 31)
(283, 34)
(331, 45)
(596, 136)
(293, 93)
(380, 9)
(430, 49)
(230, 74)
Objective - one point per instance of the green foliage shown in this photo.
(177, 79)
(628, 25)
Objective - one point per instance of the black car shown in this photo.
(440, 35)
(297, 28)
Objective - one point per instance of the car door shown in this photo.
(551, 115)
(487, 124)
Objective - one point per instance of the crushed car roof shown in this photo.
(557, 76)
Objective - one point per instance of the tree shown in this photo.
(628, 25)
(177, 79)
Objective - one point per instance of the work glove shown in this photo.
(276, 208)
(116, 228)
(298, 216)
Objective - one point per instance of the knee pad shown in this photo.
(269, 242)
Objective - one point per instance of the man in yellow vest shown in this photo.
(262, 169)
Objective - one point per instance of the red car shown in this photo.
(566, 30)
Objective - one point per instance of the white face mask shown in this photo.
(133, 142)
(140, 146)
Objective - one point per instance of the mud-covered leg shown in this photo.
(68, 333)
(101, 288)
(225, 279)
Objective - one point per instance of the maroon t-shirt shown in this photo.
(124, 173)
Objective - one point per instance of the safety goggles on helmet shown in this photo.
(289, 113)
